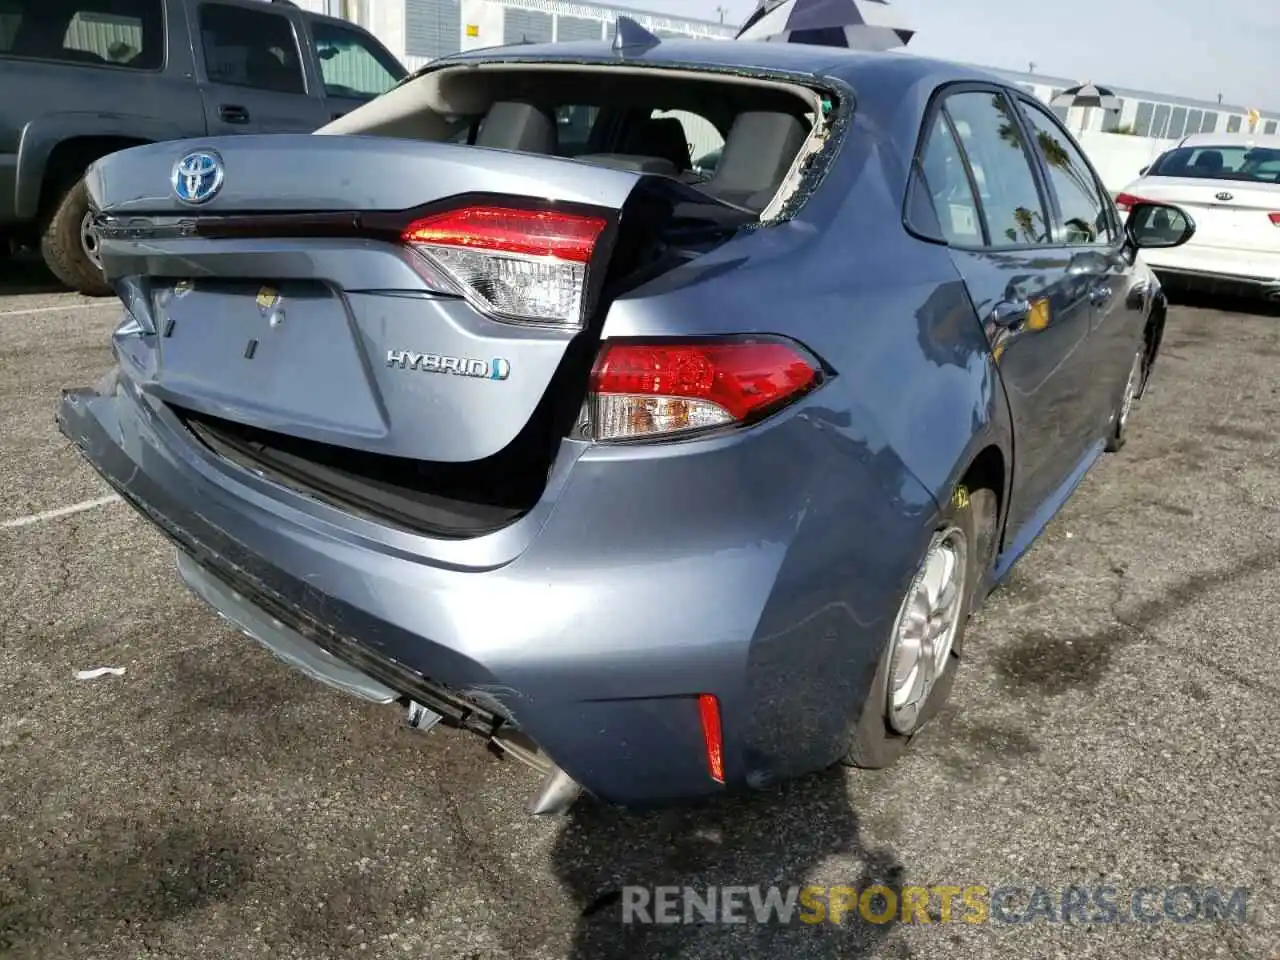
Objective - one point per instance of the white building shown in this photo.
(418, 31)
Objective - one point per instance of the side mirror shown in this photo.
(327, 53)
(1143, 171)
(1158, 226)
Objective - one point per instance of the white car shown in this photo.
(1229, 183)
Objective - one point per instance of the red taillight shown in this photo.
(657, 389)
(709, 713)
(1127, 201)
(1275, 219)
(517, 264)
(528, 233)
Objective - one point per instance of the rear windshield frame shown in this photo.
(1180, 162)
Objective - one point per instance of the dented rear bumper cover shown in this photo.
(563, 658)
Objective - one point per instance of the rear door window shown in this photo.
(996, 151)
(249, 48)
(111, 33)
(1085, 215)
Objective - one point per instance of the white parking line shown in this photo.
(60, 512)
(29, 311)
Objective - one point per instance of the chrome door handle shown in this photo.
(1010, 314)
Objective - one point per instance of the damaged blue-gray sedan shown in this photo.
(484, 401)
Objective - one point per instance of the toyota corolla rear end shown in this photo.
(464, 429)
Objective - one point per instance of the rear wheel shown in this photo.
(1120, 422)
(70, 248)
(917, 667)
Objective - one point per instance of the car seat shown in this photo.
(760, 149)
(524, 127)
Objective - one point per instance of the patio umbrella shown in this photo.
(855, 24)
(1087, 96)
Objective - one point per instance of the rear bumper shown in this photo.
(596, 639)
(1211, 268)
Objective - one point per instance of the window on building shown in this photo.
(1270, 127)
(250, 48)
(1194, 120)
(1233, 123)
(1111, 118)
(1160, 121)
(432, 28)
(993, 143)
(350, 64)
(1177, 123)
(524, 26)
(114, 33)
(1210, 122)
(1142, 119)
(569, 29)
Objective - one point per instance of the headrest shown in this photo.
(1209, 160)
(658, 137)
(758, 152)
(518, 126)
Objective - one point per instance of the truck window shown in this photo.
(115, 33)
(246, 48)
(351, 64)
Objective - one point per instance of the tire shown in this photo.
(63, 249)
(875, 743)
(1118, 435)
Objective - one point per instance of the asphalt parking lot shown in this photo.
(1117, 724)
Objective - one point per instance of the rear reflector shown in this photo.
(527, 265)
(641, 390)
(1127, 201)
(709, 713)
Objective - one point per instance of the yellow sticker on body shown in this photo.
(268, 298)
(1038, 318)
(961, 497)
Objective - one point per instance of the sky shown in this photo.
(1189, 48)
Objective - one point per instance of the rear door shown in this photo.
(998, 221)
(253, 78)
(1087, 225)
(354, 68)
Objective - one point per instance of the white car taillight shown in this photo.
(655, 390)
(516, 264)
(1275, 219)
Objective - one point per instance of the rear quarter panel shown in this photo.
(914, 399)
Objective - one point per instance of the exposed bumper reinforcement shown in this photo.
(290, 646)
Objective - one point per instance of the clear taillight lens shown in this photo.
(515, 264)
(651, 390)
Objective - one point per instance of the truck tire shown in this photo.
(63, 247)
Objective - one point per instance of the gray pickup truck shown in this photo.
(84, 78)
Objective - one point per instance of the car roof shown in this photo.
(855, 67)
(1270, 141)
